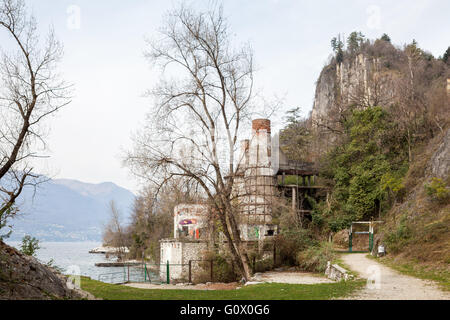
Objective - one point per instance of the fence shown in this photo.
(154, 273)
(141, 273)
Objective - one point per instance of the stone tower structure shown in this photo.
(255, 184)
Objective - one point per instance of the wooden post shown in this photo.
(212, 274)
(350, 244)
(128, 273)
(274, 254)
(190, 271)
(253, 264)
(145, 272)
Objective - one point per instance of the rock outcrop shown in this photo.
(440, 161)
(360, 81)
(25, 278)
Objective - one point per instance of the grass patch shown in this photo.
(266, 291)
(441, 277)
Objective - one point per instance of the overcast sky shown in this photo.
(104, 44)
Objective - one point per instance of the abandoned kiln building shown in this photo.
(259, 182)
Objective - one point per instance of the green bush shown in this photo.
(396, 239)
(315, 258)
(29, 246)
(290, 242)
(223, 270)
(263, 265)
(437, 190)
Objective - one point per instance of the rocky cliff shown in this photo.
(408, 82)
(439, 165)
(360, 81)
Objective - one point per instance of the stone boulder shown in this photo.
(25, 278)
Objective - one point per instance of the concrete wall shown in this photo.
(178, 253)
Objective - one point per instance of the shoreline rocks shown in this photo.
(24, 278)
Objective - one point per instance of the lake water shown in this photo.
(74, 258)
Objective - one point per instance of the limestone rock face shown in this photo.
(25, 278)
(325, 94)
(440, 160)
(358, 81)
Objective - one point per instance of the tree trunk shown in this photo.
(238, 253)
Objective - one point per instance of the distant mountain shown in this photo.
(68, 210)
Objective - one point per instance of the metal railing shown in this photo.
(152, 273)
(113, 277)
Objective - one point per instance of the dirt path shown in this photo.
(290, 277)
(273, 276)
(391, 284)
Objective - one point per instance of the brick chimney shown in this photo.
(260, 148)
(261, 124)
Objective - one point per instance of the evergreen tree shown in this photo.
(338, 47)
(446, 55)
(355, 41)
(385, 37)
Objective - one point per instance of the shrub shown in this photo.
(223, 270)
(29, 245)
(315, 258)
(290, 242)
(437, 190)
(396, 240)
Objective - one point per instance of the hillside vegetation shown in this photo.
(379, 131)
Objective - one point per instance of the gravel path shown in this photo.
(290, 277)
(391, 285)
(293, 277)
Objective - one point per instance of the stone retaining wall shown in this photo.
(336, 272)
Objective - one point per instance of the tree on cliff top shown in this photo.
(355, 41)
(338, 47)
(446, 55)
(203, 97)
(30, 91)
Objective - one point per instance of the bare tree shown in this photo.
(198, 116)
(30, 91)
(114, 233)
(152, 216)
